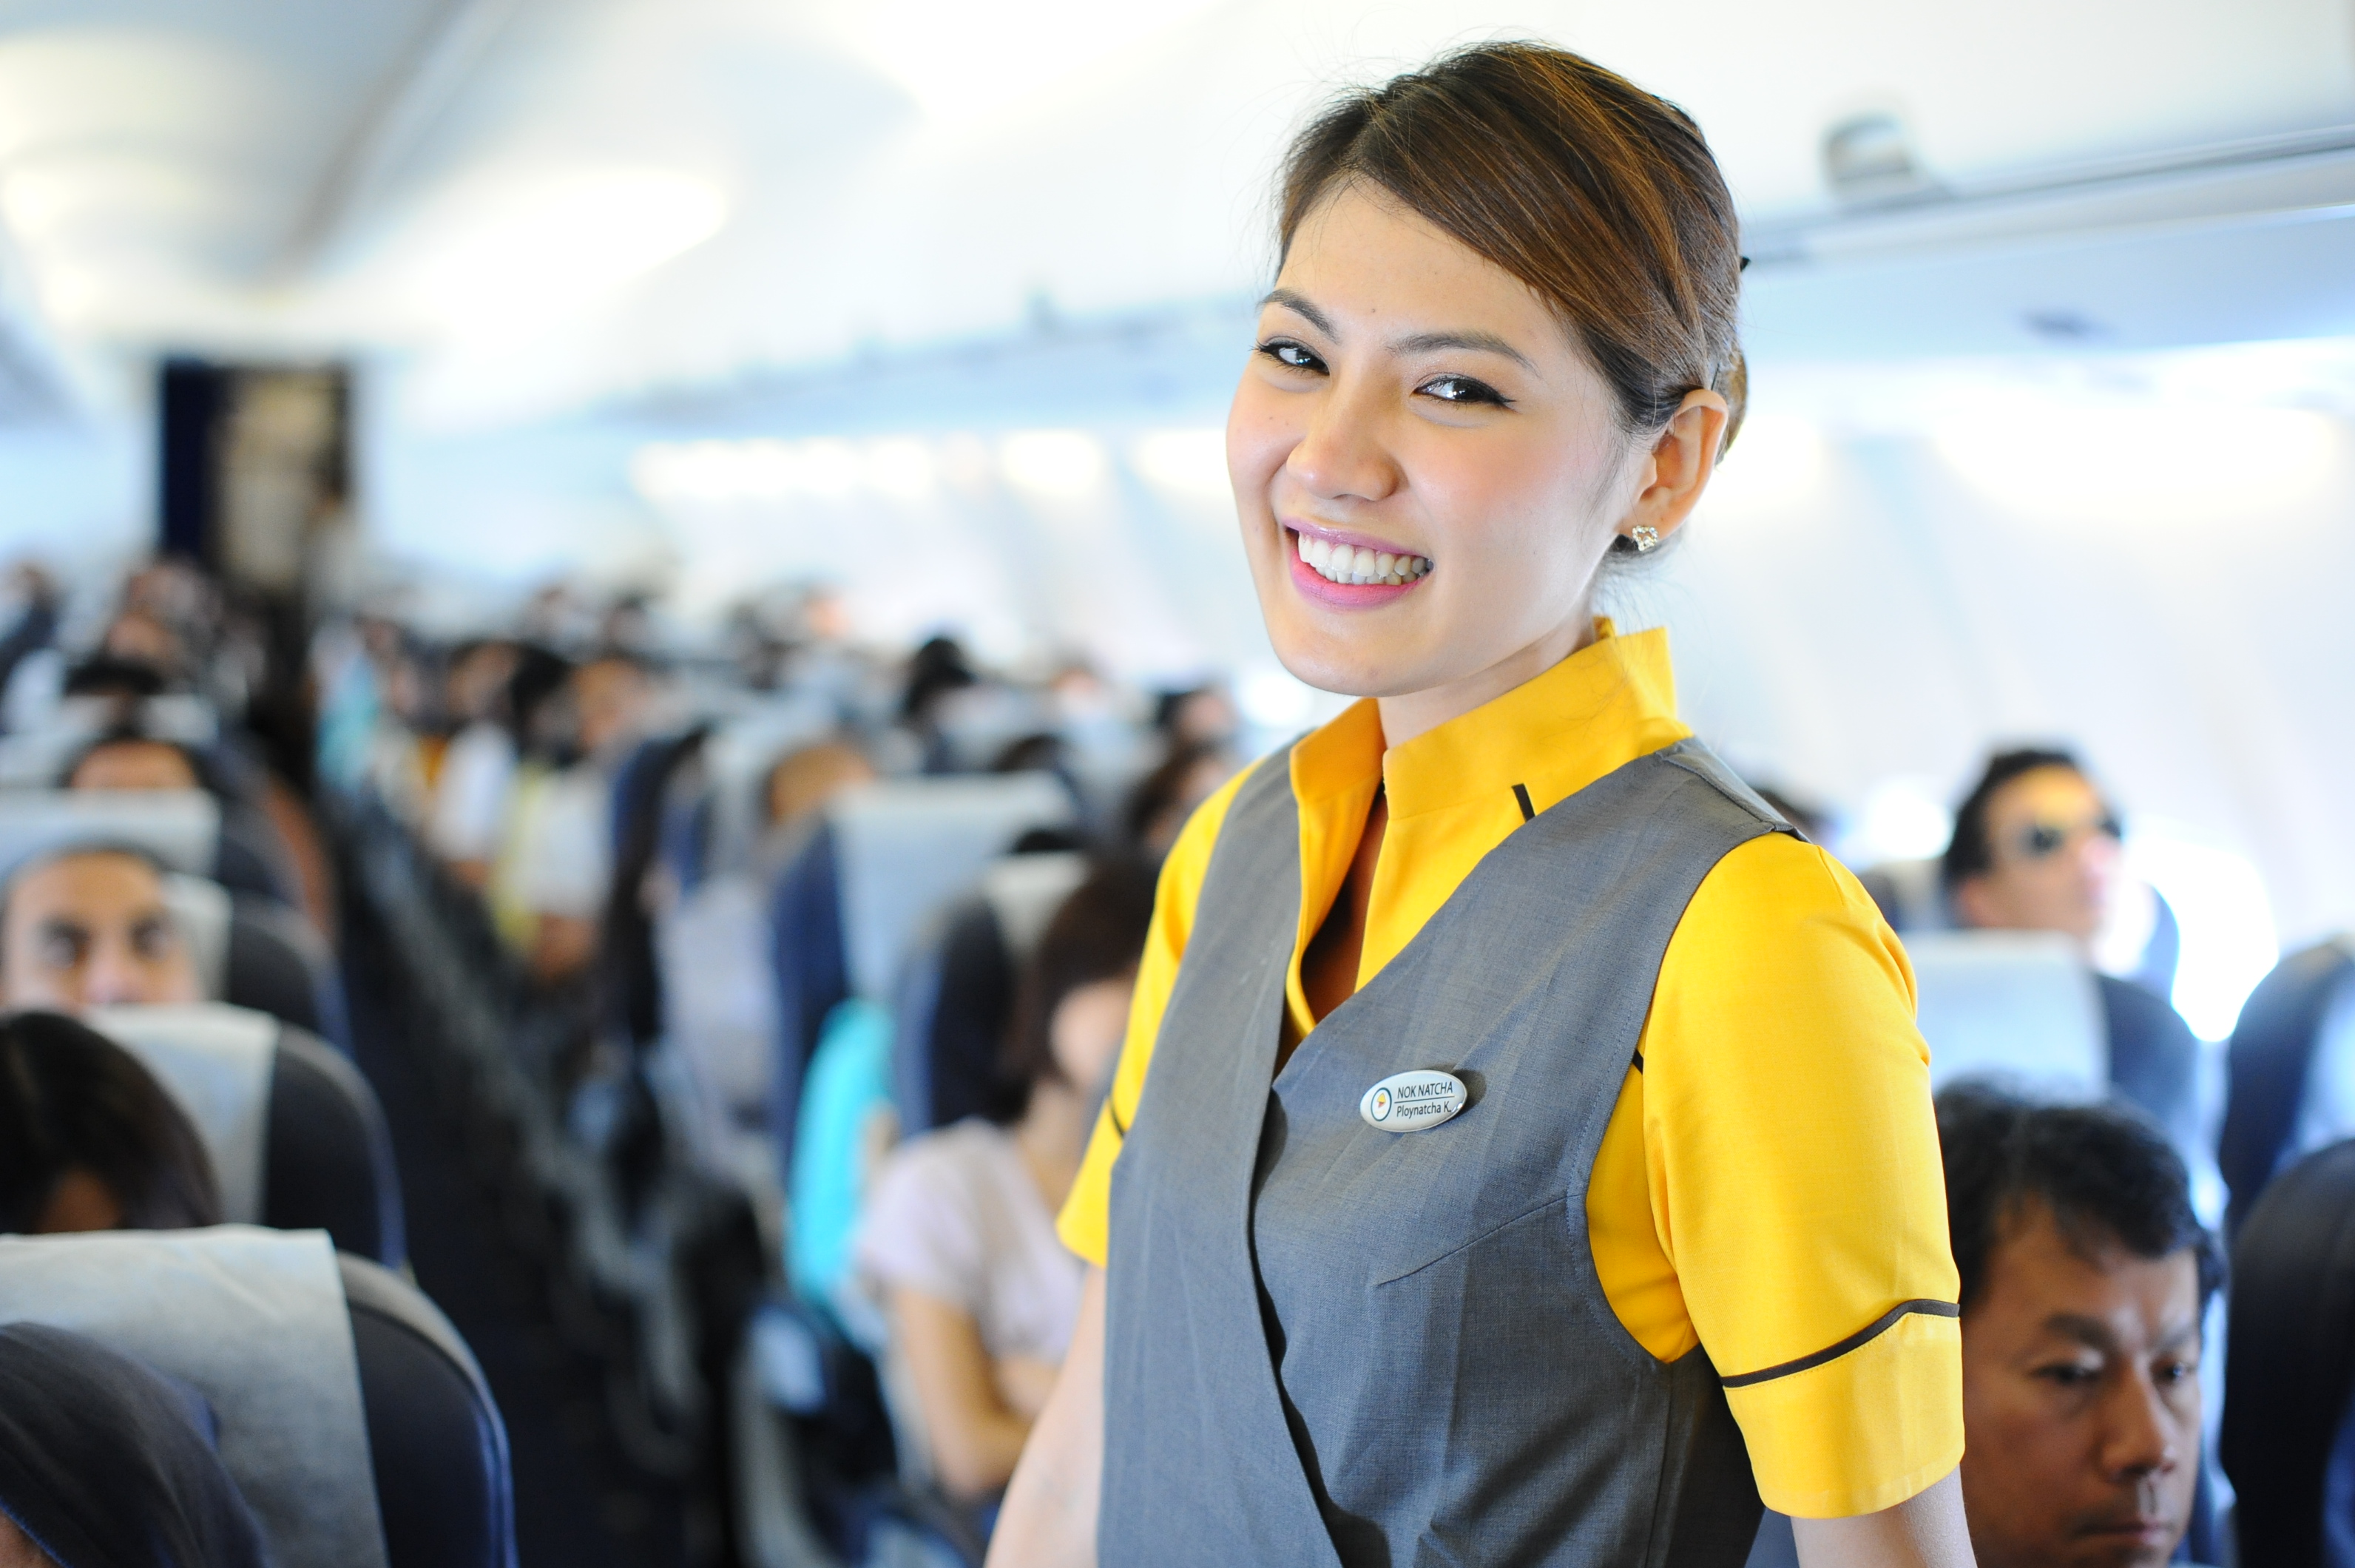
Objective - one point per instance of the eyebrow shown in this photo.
(2090, 1331)
(1419, 343)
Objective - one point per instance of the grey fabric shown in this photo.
(180, 828)
(1024, 891)
(1328, 1343)
(216, 1062)
(255, 1320)
(204, 913)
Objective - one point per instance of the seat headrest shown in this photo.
(256, 1321)
(177, 716)
(216, 1062)
(2017, 1006)
(1023, 893)
(180, 828)
(738, 758)
(907, 845)
(205, 913)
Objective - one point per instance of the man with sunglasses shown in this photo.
(2036, 849)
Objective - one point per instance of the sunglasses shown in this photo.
(2042, 840)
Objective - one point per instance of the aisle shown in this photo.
(579, 1502)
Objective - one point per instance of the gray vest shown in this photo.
(1331, 1344)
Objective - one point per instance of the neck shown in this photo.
(1052, 1135)
(1417, 712)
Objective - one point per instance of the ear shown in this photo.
(1973, 903)
(1677, 469)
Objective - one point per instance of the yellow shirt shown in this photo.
(1769, 1186)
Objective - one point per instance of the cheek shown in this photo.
(1259, 438)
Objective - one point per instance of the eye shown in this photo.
(1291, 355)
(151, 939)
(1464, 390)
(61, 949)
(2069, 1374)
(2167, 1373)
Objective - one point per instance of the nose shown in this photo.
(2141, 1439)
(1342, 455)
(113, 977)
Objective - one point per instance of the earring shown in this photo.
(1647, 538)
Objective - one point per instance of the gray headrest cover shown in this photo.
(216, 1060)
(740, 757)
(2018, 1006)
(202, 909)
(907, 845)
(181, 827)
(256, 1320)
(1024, 891)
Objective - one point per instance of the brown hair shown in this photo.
(1097, 933)
(72, 1099)
(1600, 197)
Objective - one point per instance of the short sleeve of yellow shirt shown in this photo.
(1769, 1186)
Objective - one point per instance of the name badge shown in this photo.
(1409, 1101)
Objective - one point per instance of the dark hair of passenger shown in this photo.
(110, 674)
(938, 667)
(1154, 794)
(1970, 852)
(71, 1099)
(1600, 197)
(1097, 933)
(2106, 1174)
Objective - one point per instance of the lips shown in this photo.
(1349, 571)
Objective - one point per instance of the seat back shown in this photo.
(275, 963)
(737, 761)
(2292, 1354)
(255, 1321)
(2272, 1063)
(437, 1448)
(956, 993)
(2015, 1007)
(296, 1136)
(1909, 894)
(907, 846)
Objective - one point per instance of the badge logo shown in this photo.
(1412, 1102)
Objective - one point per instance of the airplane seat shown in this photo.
(2290, 1068)
(1909, 894)
(437, 1448)
(2020, 1008)
(296, 1136)
(2288, 1441)
(350, 1413)
(955, 996)
(884, 858)
(276, 963)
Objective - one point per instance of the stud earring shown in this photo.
(1647, 538)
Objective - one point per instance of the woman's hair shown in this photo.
(102, 1459)
(1097, 933)
(72, 1099)
(1600, 197)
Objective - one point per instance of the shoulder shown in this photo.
(1778, 899)
(947, 1164)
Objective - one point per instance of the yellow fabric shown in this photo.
(1769, 1183)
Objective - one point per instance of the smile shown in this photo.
(1356, 565)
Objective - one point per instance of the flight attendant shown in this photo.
(1522, 1150)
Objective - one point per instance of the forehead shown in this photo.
(1361, 252)
(2045, 792)
(143, 755)
(93, 886)
(2034, 1274)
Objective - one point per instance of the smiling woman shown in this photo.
(1500, 347)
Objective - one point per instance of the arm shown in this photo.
(1925, 1531)
(1050, 1517)
(975, 1437)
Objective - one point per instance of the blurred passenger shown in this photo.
(562, 832)
(958, 1238)
(106, 1463)
(2086, 1276)
(937, 670)
(804, 779)
(88, 1140)
(2036, 847)
(469, 792)
(1166, 798)
(250, 856)
(90, 928)
(1196, 716)
(122, 679)
(139, 637)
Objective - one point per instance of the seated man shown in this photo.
(2035, 847)
(2084, 1279)
(89, 928)
(248, 858)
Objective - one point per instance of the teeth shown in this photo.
(1346, 563)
